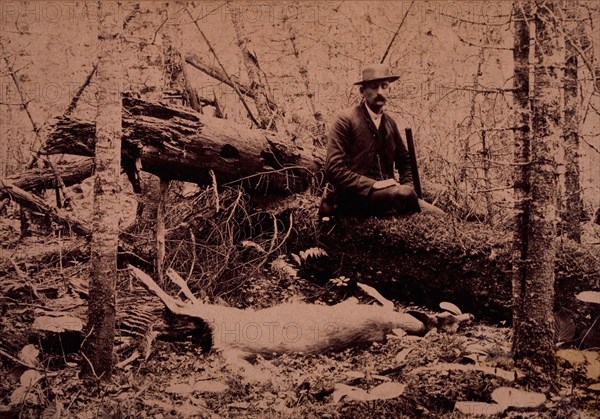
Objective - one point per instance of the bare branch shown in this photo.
(22, 94)
(212, 50)
(159, 28)
(131, 15)
(387, 50)
(215, 73)
(471, 44)
(79, 92)
(472, 22)
(590, 145)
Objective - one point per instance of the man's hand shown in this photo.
(382, 184)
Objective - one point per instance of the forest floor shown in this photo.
(406, 376)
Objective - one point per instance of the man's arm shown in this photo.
(337, 169)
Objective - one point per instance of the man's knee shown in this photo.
(405, 198)
(404, 192)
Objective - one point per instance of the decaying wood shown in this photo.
(71, 173)
(77, 249)
(36, 203)
(37, 178)
(67, 251)
(426, 259)
(179, 144)
(292, 327)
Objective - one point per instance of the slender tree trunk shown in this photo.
(160, 231)
(535, 237)
(320, 129)
(466, 143)
(4, 145)
(265, 106)
(522, 139)
(487, 181)
(571, 217)
(177, 90)
(98, 347)
(177, 85)
(150, 58)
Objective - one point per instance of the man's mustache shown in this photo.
(380, 98)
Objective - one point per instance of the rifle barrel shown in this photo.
(410, 143)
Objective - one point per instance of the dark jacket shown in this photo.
(358, 155)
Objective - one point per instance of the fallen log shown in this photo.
(73, 250)
(36, 203)
(71, 173)
(77, 250)
(425, 259)
(180, 144)
(53, 254)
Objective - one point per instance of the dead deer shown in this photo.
(298, 327)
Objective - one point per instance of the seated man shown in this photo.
(363, 149)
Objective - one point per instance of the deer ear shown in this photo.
(449, 307)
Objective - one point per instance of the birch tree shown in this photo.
(98, 346)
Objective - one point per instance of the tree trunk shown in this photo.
(522, 141)
(160, 230)
(573, 208)
(320, 130)
(487, 181)
(466, 141)
(98, 347)
(179, 144)
(533, 343)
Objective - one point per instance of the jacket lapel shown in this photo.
(367, 118)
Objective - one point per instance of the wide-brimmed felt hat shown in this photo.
(372, 72)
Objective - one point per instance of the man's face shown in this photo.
(375, 93)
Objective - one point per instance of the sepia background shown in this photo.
(294, 65)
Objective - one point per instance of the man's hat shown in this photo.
(372, 72)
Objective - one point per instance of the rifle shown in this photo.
(413, 162)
